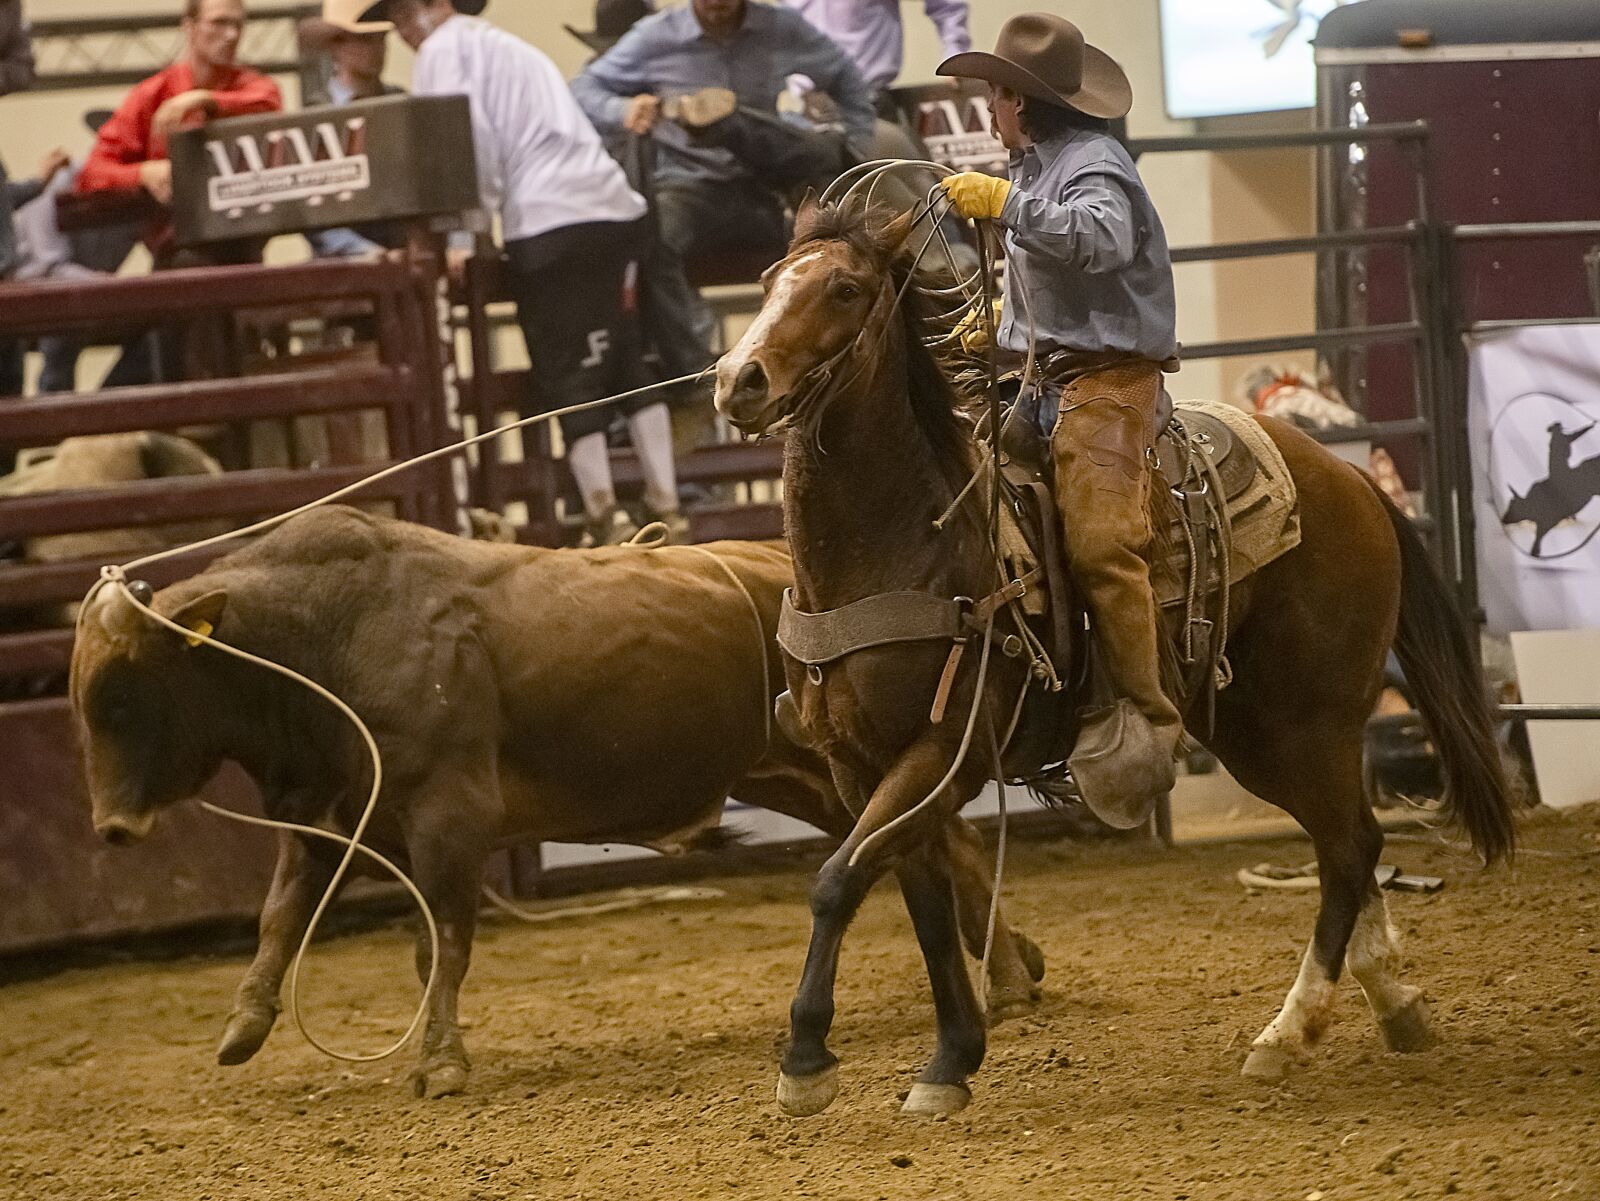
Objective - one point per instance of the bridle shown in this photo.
(808, 401)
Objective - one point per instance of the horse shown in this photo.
(877, 454)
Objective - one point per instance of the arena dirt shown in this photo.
(634, 1056)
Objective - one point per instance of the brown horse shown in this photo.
(878, 452)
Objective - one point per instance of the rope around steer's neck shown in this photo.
(116, 577)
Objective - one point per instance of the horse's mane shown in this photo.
(874, 233)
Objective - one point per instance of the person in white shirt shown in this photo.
(574, 234)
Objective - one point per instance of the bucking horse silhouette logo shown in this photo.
(1562, 494)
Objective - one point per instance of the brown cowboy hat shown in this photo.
(1045, 56)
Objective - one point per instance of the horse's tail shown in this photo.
(1434, 645)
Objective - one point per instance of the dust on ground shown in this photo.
(634, 1056)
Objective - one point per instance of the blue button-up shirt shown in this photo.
(668, 54)
(1084, 240)
(869, 31)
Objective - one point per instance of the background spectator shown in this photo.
(357, 51)
(44, 252)
(715, 70)
(206, 81)
(131, 153)
(574, 233)
(871, 33)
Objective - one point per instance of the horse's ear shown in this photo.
(893, 233)
(806, 215)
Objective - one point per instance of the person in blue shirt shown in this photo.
(1089, 283)
(703, 81)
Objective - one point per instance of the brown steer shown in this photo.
(612, 695)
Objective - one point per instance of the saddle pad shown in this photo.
(1265, 514)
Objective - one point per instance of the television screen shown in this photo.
(1239, 56)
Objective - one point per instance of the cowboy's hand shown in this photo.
(974, 331)
(976, 195)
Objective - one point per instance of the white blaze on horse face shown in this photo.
(773, 310)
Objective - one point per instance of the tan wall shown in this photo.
(1201, 197)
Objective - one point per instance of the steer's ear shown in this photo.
(202, 614)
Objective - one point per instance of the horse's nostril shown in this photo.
(117, 836)
(752, 378)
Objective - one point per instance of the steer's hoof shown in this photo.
(246, 1030)
(1269, 1064)
(439, 1080)
(1406, 1029)
(931, 1100)
(802, 1096)
(1032, 956)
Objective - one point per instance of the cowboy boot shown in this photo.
(1123, 761)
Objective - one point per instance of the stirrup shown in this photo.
(1120, 765)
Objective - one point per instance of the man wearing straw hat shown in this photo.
(1089, 282)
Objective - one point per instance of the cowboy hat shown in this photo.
(372, 11)
(340, 18)
(612, 19)
(1045, 56)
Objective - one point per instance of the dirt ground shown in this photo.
(634, 1055)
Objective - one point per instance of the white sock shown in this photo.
(651, 431)
(590, 463)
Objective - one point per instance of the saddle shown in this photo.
(1205, 465)
(1206, 468)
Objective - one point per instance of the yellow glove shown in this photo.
(974, 333)
(977, 195)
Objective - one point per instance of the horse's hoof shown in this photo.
(1032, 956)
(441, 1080)
(1406, 1029)
(246, 1030)
(1011, 1003)
(1269, 1064)
(931, 1100)
(803, 1096)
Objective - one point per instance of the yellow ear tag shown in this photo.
(203, 629)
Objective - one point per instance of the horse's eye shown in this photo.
(845, 293)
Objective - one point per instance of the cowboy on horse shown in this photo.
(1089, 285)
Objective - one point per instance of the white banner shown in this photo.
(1534, 423)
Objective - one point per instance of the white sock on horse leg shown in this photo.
(651, 431)
(1373, 957)
(590, 463)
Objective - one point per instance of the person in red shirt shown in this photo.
(206, 82)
